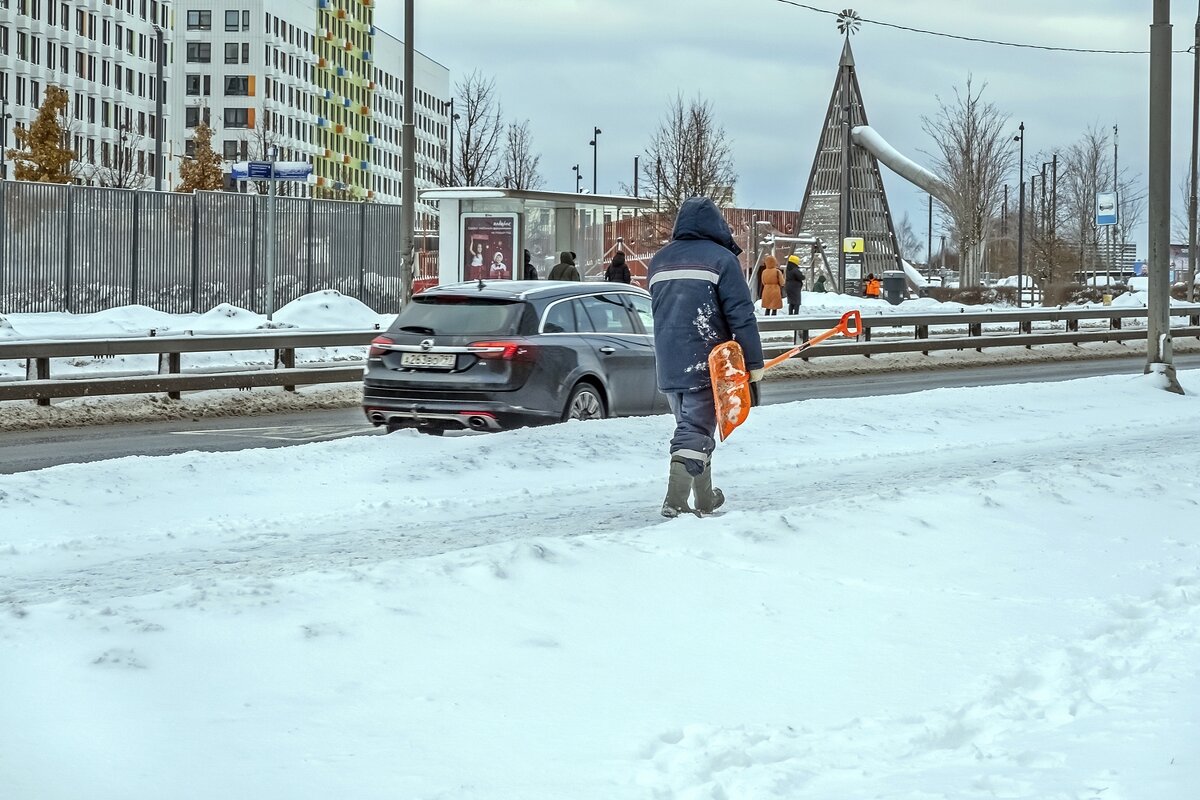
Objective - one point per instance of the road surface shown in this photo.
(30, 450)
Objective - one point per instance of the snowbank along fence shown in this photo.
(84, 249)
(882, 333)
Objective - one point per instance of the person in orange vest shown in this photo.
(873, 287)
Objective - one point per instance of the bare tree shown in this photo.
(972, 157)
(520, 162)
(906, 238)
(1088, 170)
(479, 134)
(257, 143)
(689, 156)
(1181, 210)
(118, 167)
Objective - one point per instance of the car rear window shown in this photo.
(452, 316)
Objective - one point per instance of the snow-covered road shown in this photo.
(960, 593)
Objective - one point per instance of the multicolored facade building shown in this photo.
(314, 78)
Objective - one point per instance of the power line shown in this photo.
(974, 39)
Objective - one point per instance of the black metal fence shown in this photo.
(84, 249)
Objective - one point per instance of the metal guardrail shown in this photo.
(39, 385)
(925, 337)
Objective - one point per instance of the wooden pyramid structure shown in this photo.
(870, 217)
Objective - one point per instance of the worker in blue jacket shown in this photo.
(700, 299)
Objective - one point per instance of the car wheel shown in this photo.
(585, 402)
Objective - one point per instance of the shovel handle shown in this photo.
(849, 325)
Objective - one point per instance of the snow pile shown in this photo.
(970, 604)
(330, 310)
(318, 311)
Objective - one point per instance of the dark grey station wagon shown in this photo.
(494, 355)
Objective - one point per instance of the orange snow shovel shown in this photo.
(731, 380)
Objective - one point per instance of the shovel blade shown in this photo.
(730, 386)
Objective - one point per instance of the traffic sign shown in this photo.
(261, 170)
(1106, 208)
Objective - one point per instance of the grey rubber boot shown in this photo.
(679, 487)
(708, 499)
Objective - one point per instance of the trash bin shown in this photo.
(895, 286)
(1106, 298)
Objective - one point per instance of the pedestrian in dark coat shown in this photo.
(700, 299)
(819, 286)
(530, 269)
(794, 283)
(565, 269)
(618, 271)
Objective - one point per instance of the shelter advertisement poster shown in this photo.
(489, 246)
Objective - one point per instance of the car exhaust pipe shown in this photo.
(377, 418)
(477, 423)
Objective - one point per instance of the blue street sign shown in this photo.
(261, 170)
(1106, 208)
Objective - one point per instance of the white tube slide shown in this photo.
(869, 139)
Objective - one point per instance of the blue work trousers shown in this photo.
(695, 426)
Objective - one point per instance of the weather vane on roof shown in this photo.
(848, 22)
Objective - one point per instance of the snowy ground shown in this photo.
(970, 593)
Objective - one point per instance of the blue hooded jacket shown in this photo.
(700, 298)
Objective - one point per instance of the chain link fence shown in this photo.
(84, 249)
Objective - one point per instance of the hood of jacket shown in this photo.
(699, 218)
(566, 257)
(618, 259)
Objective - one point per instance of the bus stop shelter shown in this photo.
(483, 231)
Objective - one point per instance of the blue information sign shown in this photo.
(261, 170)
(1106, 208)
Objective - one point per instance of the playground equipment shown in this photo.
(845, 196)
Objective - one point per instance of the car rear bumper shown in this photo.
(449, 414)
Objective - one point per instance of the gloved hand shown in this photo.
(755, 378)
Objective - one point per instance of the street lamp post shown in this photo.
(4, 118)
(635, 175)
(1159, 356)
(159, 90)
(1020, 137)
(1191, 280)
(595, 136)
(929, 242)
(578, 179)
(450, 171)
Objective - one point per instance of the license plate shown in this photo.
(443, 360)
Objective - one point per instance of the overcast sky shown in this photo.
(768, 68)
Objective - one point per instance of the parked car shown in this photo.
(495, 355)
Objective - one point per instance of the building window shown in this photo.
(199, 52)
(199, 20)
(193, 85)
(238, 85)
(232, 20)
(189, 148)
(191, 116)
(245, 20)
(230, 150)
(231, 52)
(245, 52)
(237, 117)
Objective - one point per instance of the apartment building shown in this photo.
(103, 52)
(314, 78)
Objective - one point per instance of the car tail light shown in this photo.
(507, 350)
(379, 346)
